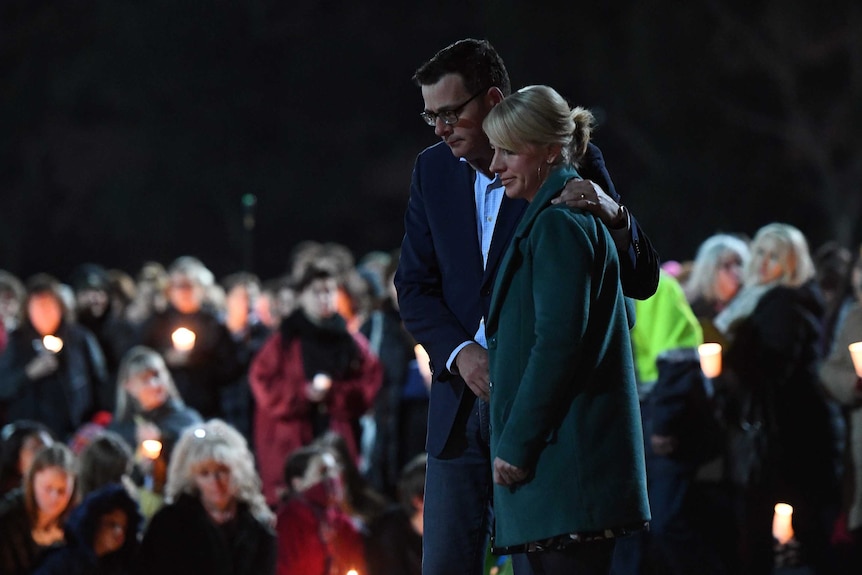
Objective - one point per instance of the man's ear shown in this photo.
(494, 96)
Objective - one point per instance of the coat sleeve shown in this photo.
(272, 385)
(419, 281)
(639, 265)
(354, 396)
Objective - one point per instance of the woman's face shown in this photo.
(770, 260)
(318, 300)
(45, 313)
(215, 484)
(522, 172)
(110, 532)
(52, 488)
(149, 387)
(185, 294)
(728, 276)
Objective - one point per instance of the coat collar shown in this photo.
(550, 189)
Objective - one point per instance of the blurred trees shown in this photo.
(130, 130)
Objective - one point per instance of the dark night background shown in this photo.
(131, 130)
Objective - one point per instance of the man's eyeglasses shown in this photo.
(449, 117)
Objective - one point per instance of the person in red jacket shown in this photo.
(315, 537)
(313, 375)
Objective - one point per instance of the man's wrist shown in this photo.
(621, 220)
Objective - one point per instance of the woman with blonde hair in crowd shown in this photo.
(783, 446)
(216, 520)
(715, 278)
(148, 403)
(31, 518)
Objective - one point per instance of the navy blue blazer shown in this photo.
(443, 290)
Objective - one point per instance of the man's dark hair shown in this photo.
(475, 61)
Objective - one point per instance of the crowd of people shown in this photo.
(535, 390)
(247, 447)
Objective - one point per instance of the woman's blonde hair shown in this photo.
(540, 116)
(216, 441)
(796, 264)
(136, 360)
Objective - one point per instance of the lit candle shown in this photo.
(856, 355)
(321, 382)
(52, 343)
(352, 572)
(184, 339)
(710, 359)
(782, 523)
(151, 448)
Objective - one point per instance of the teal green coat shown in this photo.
(564, 401)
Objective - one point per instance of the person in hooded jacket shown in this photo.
(101, 536)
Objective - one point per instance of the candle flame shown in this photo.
(710, 359)
(782, 523)
(183, 339)
(151, 448)
(52, 343)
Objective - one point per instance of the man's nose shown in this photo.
(441, 128)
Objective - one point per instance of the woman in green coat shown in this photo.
(566, 439)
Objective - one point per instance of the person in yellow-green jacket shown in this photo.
(680, 435)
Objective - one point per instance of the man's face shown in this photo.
(465, 138)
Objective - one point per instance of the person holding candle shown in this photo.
(148, 403)
(313, 375)
(843, 381)
(783, 446)
(216, 520)
(202, 356)
(63, 388)
(315, 537)
(31, 518)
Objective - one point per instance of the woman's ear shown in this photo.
(554, 151)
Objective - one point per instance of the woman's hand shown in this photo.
(146, 430)
(508, 474)
(41, 366)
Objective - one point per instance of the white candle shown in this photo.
(710, 359)
(151, 448)
(782, 523)
(52, 343)
(183, 339)
(856, 355)
(321, 382)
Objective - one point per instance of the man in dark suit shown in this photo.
(458, 224)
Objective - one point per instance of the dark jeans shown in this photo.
(458, 498)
